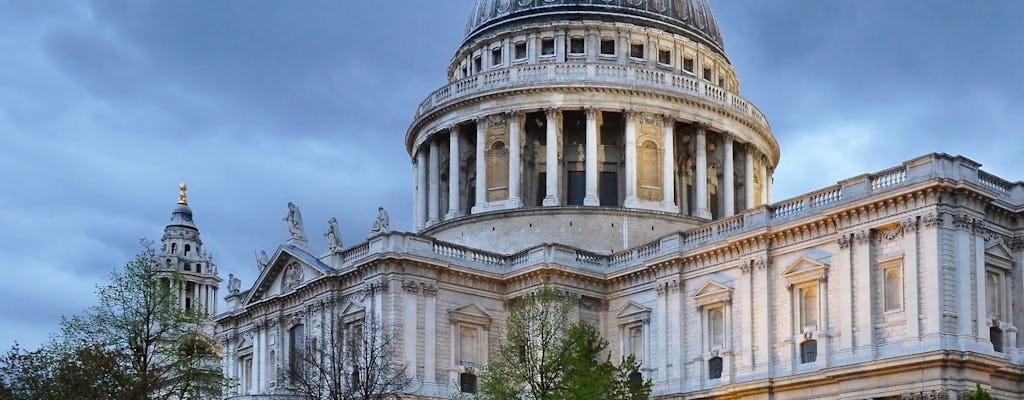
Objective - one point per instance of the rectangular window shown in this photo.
(688, 64)
(809, 307)
(520, 50)
(635, 342)
(665, 57)
(469, 346)
(477, 65)
(716, 328)
(715, 368)
(892, 283)
(608, 47)
(808, 351)
(467, 383)
(636, 50)
(576, 46)
(547, 46)
(707, 74)
(992, 294)
(496, 56)
(721, 82)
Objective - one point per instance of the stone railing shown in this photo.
(600, 74)
(916, 171)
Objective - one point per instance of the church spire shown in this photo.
(182, 251)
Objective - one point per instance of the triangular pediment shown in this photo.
(805, 269)
(289, 269)
(633, 311)
(712, 292)
(470, 312)
(999, 250)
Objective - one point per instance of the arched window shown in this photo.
(716, 328)
(809, 307)
(809, 351)
(715, 368)
(174, 248)
(188, 249)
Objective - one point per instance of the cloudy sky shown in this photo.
(106, 105)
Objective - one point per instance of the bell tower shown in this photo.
(181, 250)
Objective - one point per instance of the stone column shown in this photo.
(769, 182)
(748, 177)
(700, 181)
(481, 163)
(764, 180)
(515, 123)
(551, 159)
(454, 161)
(421, 189)
(591, 198)
(727, 181)
(668, 173)
(434, 188)
(631, 199)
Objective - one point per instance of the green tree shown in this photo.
(135, 343)
(978, 394)
(547, 356)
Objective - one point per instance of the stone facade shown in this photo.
(614, 160)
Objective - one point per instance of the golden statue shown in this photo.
(182, 198)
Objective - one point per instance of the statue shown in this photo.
(383, 223)
(294, 220)
(333, 235)
(262, 260)
(234, 284)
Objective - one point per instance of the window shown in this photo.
(635, 342)
(188, 266)
(188, 250)
(808, 351)
(992, 294)
(892, 285)
(469, 345)
(608, 47)
(688, 64)
(707, 74)
(547, 46)
(496, 56)
(576, 45)
(174, 248)
(716, 328)
(247, 373)
(995, 335)
(809, 307)
(520, 50)
(477, 65)
(296, 346)
(665, 57)
(636, 50)
(715, 368)
(467, 382)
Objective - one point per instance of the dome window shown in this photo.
(688, 64)
(636, 50)
(520, 51)
(547, 46)
(665, 57)
(477, 65)
(608, 47)
(496, 56)
(707, 74)
(576, 46)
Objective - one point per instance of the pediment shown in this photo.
(289, 269)
(633, 311)
(712, 292)
(470, 312)
(999, 250)
(805, 269)
(353, 311)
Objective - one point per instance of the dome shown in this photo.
(691, 18)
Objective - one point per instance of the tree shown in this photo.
(547, 356)
(978, 394)
(350, 361)
(55, 372)
(163, 350)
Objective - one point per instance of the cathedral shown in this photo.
(602, 148)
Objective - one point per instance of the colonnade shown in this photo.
(428, 168)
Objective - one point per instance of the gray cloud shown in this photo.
(106, 105)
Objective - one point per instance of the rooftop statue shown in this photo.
(333, 235)
(383, 223)
(294, 220)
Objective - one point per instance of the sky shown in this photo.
(105, 106)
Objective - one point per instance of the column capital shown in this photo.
(591, 112)
(728, 136)
(630, 113)
(453, 130)
(553, 112)
(702, 127)
(514, 114)
(668, 120)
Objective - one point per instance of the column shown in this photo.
(434, 187)
(764, 180)
(421, 189)
(454, 184)
(429, 333)
(910, 267)
(591, 198)
(748, 176)
(515, 123)
(700, 182)
(769, 182)
(744, 293)
(481, 164)
(843, 273)
(551, 158)
(727, 181)
(631, 199)
(668, 158)
(861, 265)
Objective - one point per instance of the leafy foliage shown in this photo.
(547, 356)
(136, 343)
(978, 394)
